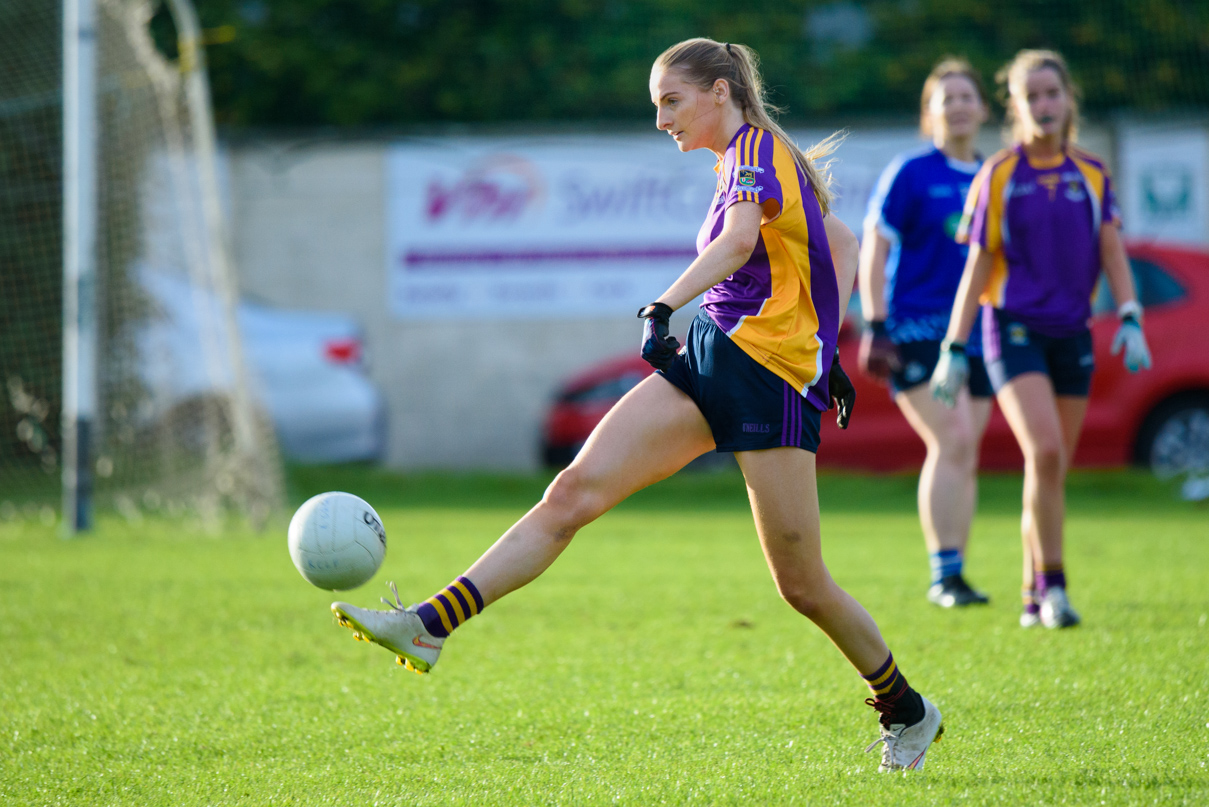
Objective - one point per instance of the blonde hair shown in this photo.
(703, 61)
(1012, 77)
(947, 66)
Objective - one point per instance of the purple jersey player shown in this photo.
(758, 370)
(909, 270)
(1042, 223)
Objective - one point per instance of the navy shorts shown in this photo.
(1013, 348)
(918, 359)
(748, 407)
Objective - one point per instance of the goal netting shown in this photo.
(177, 430)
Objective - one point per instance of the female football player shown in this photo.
(756, 374)
(1042, 223)
(909, 270)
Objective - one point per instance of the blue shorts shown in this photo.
(918, 359)
(1012, 348)
(747, 406)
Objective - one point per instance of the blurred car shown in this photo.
(306, 369)
(1157, 418)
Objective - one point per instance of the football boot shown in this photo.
(400, 630)
(904, 747)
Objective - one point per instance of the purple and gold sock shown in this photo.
(450, 607)
(887, 683)
(893, 696)
(1029, 597)
(1050, 577)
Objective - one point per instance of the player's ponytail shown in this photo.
(703, 61)
(1013, 76)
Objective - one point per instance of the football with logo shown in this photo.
(336, 541)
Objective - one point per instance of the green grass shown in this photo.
(151, 664)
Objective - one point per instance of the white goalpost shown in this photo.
(79, 259)
(122, 379)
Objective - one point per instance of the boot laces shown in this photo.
(888, 737)
(397, 605)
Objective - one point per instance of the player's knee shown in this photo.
(960, 449)
(1045, 455)
(804, 599)
(572, 499)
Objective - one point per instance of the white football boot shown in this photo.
(1029, 619)
(1056, 611)
(400, 630)
(904, 747)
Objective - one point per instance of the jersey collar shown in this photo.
(731, 145)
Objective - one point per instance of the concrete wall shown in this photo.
(309, 232)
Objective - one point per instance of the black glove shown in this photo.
(842, 393)
(878, 356)
(658, 349)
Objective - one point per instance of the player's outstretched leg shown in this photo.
(654, 431)
(784, 500)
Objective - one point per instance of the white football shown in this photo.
(336, 540)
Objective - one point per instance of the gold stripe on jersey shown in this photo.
(783, 335)
(998, 172)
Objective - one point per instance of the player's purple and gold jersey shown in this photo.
(782, 306)
(1040, 223)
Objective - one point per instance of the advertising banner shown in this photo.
(1164, 180)
(570, 226)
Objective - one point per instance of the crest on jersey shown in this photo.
(747, 176)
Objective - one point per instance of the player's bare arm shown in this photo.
(965, 305)
(874, 250)
(1116, 264)
(845, 252)
(718, 261)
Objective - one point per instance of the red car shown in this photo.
(1157, 418)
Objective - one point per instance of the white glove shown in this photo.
(1130, 337)
(951, 373)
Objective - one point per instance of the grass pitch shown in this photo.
(150, 664)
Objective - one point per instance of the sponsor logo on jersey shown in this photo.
(1050, 182)
(1075, 192)
(952, 223)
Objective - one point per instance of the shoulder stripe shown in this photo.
(1078, 153)
(889, 175)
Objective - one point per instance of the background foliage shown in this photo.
(385, 62)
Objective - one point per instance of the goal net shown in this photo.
(176, 429)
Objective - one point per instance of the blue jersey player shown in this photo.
(909, 272)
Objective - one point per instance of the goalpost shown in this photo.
(79, 259)
(117, 293)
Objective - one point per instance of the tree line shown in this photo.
(373, 63)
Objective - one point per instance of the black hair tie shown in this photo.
(728, 53)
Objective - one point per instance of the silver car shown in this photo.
(306, 369)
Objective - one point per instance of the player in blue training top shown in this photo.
(757, 372)
(909, 271)
(1042, 224)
